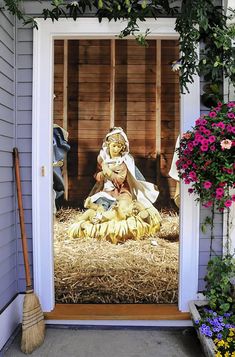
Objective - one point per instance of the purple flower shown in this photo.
(219, 336)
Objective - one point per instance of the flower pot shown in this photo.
(208, 345)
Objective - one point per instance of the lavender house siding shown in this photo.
(8, 241)
(24, 137)
(24, 142)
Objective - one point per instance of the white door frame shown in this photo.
(42, 195)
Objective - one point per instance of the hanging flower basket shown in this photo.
(206, 157)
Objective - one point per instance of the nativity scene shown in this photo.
(120, 206)
(116, 218)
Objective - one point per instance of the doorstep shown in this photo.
(116, 312)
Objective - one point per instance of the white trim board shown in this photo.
(42, 152)
(10, 318)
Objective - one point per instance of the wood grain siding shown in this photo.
(135, 102)
(8, 241)
(24, 137)
(117, 82)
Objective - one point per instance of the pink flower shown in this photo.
(190, 190)
(212, 147)
(204, 148)
(211, 139)
(207, 132)
(192, 175)
(220, 125)
(219, 104)
(219, 191)
(231, 104)
(207, 184)
(229, 171)
(208, 204)
(212, 114)
(230, 115)
(219, 197)
(228, 203)
(233, 198)
(226, 144)
(229, 128)
(187, 135)
(204, 142)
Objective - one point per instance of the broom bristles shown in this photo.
(33, 326)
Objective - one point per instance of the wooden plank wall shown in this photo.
(135, 106)
(170, 116)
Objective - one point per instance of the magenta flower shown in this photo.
(231, 104)
(212, 114)
(211, 139)
(204, 148)
(212, 147)
(230, 115)
(233, 198)
(207, 184)
(220, 125)
(192, 175)
(219, 191)
(228, 203)
(208, 204)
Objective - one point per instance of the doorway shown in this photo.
(100, 84)
(42, 158)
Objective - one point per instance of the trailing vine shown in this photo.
(197, 21)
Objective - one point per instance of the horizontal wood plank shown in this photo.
(116, 312)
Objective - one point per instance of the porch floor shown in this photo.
(115, 342)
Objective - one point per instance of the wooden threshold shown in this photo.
(116, 312)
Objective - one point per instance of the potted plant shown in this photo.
(206, 162)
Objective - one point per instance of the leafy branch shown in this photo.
(197, 21)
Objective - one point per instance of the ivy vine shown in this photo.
(197, 21)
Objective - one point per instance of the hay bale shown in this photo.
(96, 271)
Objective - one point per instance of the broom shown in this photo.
(33, 326)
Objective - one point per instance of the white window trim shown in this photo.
(42, 196)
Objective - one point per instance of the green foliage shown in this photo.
(196, 20)
(219, 288)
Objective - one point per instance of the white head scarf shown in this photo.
(145, 192)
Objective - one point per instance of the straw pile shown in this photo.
(96, 271)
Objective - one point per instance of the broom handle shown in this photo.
(21, 216)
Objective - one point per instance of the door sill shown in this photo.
(116, 312)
